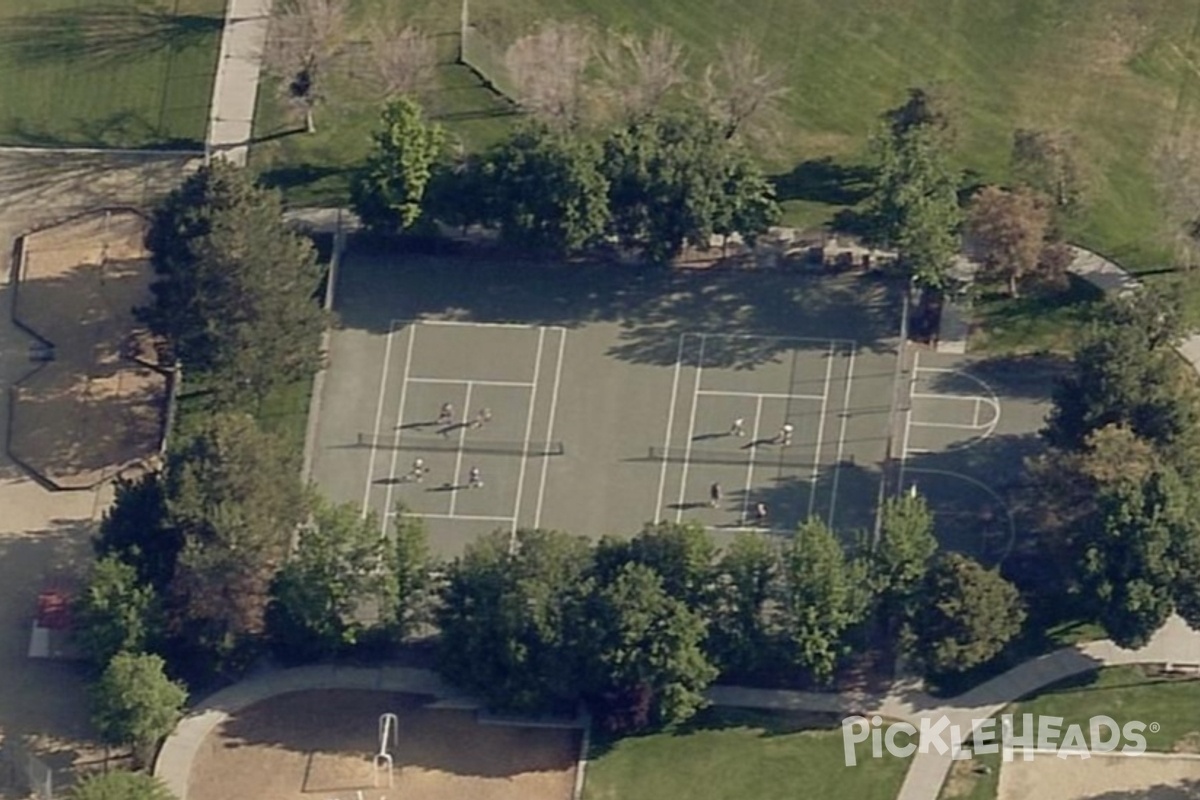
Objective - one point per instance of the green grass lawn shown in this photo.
(1121, 77)
(1035, 323)
(114, 73)
(730, 753)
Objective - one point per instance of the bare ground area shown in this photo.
(319, 744)
(1101, 777)
(44, 533)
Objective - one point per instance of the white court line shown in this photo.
(467, 517)
(956, 426)
(816, 470)
(387, 503)
(687, 454)
(772, 395)
(912, 386)
(461, 381)
(462, 324)
(750, 461)
(383, 375)
(749, 529)
(562, 346)
(830, 342)
(537, 368)
(837, 467)
(462, 439)
(662, 474)
(975, 416)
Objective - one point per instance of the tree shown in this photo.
(387, 194)
(683, 555)
(405, 59)
(904, 552)
(674, 179)
(135, 531)
(1044, 160)
(115, 613)
(119, 784)
(644, 661)
(547, 69)
(914, 201)
(547, 190)
(970, 614)
(233, 495)
(410, 589)
(738, 89)
(305, 37)
(642, 74)
(925, 109)
(235, 290)
(338, 567)
(1010, 228)
(743, 638)
(459, 192)
(509, 619)
(822, 595)
(135, 704)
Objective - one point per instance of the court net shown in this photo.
(766, 456)
(454, 445)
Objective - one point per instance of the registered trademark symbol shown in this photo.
(1155, 727)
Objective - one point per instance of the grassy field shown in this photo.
(121, 73)
(1034, 323)
(1122, 77)
(728, 753)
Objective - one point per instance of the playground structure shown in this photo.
(389, 733)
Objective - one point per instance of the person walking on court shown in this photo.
(475, 478)
(738, 428)
(714, 495)
(760, 513)
(482, 418)
(785, 434)
(446, 415)
(418, 470)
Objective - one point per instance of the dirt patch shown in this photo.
(98, 406)
(320, 744)
(1147, 777)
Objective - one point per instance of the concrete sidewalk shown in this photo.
(235, 90)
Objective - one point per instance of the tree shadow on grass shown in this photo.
(115, 130)
(102, 34)
(822, 180)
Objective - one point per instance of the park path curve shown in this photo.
(235, 89)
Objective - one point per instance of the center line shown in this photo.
(837, 469)
(462, 440)
(816, 470)
(537, 368)
(687, 454)
(562, 345)
(750, 464)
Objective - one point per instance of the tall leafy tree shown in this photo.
(547, 191)
(509, 618)
(644, 660)
(1010, 227)
(905, 550)
(970, 614)
(135, 530)
(743, 638)
(115, 613)
(338, 568)
(233, 496)
(675, 180)
(235, 291)
(683, 555)
(388, 193)
(119, 784)
(134, 703)
(409, 589)
(822, 595)
(914, 201)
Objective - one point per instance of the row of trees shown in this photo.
(666, 180)
(1118, 494)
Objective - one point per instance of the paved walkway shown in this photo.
(235, 90)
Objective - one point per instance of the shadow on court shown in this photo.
(653, 306)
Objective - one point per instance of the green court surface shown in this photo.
(122, 73)
(612, 395)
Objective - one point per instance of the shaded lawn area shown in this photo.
(1119, 77)
(116, 73)
(1042, 322)
(728, 753)
(284, 412)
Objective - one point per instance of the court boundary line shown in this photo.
(562, 346)
(412, 338)
(537, 370)
(662, 473)
(773, 395)
(768, 337)
(691, 433)
(460, 381)
(750, 462)
(1012, 521)
(463, 517)
(841, 448)
(816, 470)
(383, 375)
(462, 439)
(448, 323)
